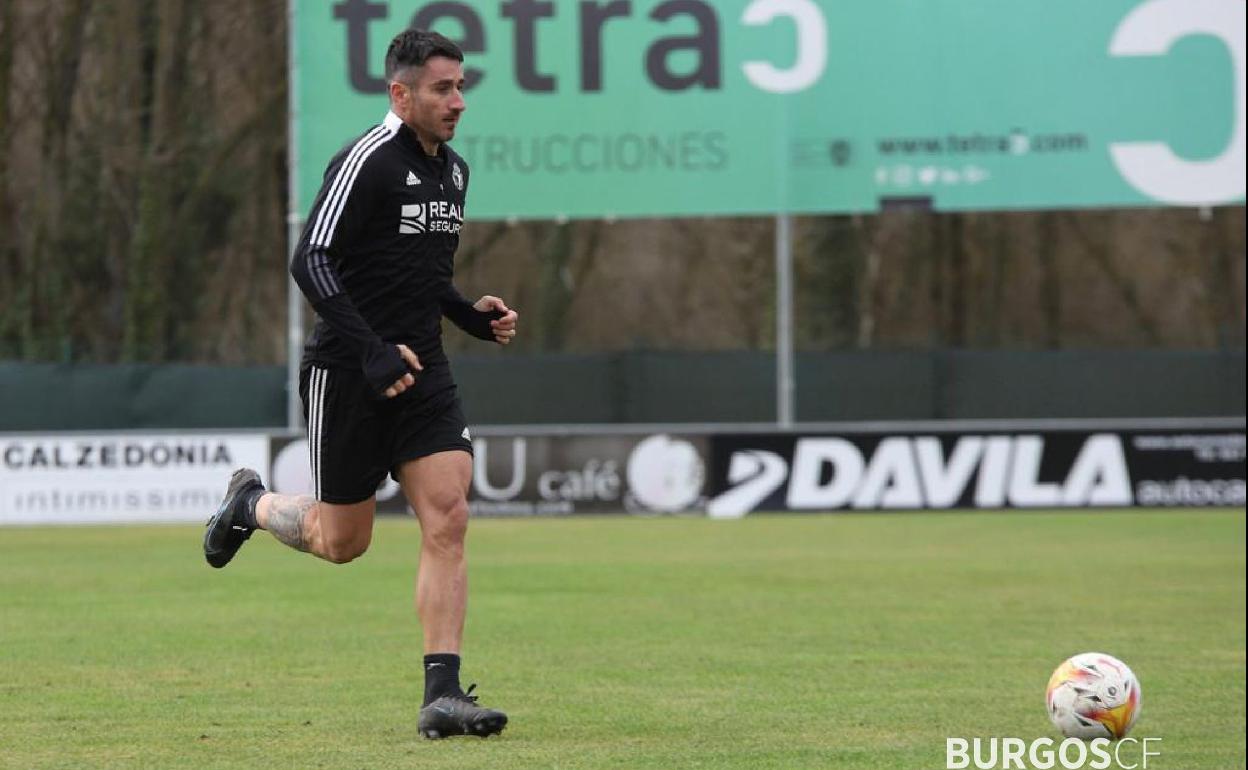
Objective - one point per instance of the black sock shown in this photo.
(441, 676)
(249, 510)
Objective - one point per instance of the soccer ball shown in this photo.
(1093, 695)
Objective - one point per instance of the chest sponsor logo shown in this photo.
(431, 217)
(412, 219)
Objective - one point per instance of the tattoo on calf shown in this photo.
(286, 519)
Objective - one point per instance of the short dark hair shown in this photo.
(414, 47)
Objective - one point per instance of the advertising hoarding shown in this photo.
(661, 108)
(111, 478)
(119, 477)
(543, 475)
(944, 470)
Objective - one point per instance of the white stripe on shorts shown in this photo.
(316, 419)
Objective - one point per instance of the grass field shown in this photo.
(846, 641)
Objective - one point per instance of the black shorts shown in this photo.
(355, 438)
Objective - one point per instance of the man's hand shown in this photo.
(504, 328)
(409, 379)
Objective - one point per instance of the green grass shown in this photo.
(845, 641)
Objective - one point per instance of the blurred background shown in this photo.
(960, 241)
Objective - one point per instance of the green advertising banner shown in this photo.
(688, 107)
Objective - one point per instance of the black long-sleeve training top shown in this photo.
(377, 254)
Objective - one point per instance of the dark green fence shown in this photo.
(666, 387)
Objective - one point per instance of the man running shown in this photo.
(376, 260)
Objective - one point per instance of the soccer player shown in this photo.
(376, 259)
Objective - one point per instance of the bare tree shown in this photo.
(143, 197)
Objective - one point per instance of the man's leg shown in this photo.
(337, 533)
(436, 486)
(335, 404)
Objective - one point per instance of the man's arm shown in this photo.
(382, 363)
(337, 216)
(489, 319)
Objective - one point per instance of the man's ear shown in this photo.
(396, 91)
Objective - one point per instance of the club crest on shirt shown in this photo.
(457, 176)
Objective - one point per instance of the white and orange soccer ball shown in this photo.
(1093, 695)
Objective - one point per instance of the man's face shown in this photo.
(431, 100)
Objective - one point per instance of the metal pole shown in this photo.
(294, 335)
(784, 321)
(294, 299)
